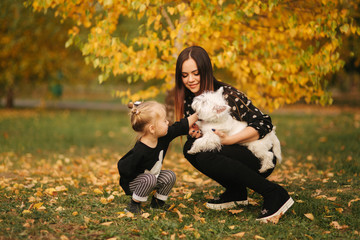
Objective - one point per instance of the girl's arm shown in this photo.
(181, 127)
(192, 119)
(194, 130)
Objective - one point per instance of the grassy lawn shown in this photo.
(58, 179)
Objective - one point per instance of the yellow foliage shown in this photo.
(277, 53)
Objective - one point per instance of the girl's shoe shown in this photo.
(157, 203)
(133, 207)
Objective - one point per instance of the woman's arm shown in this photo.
(249, 134)
(243, 110)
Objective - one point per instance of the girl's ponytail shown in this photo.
(143, 113)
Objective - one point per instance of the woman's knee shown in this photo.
(190, 157)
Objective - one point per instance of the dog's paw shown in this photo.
(266, 166)
(192, 151)
(263, 169)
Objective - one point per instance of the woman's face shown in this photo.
(190, 75)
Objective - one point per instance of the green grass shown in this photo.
(58, 175)
(60, 131)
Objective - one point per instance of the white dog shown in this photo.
(214, 113)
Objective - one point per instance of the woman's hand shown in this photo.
(224, 138)
(248, 134)
(195, 131)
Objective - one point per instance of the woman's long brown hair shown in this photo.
(205, 69)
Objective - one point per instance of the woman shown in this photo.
(234, 167)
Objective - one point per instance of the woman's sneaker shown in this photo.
(224, 202)
(275, 205)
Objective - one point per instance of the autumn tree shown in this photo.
(32, 49)
(277, 51)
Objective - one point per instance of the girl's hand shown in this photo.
(224, 138)
(195, 131)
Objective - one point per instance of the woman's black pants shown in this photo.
(234, 167)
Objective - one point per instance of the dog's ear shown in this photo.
(219, 109)
(220, 90)
(195, 104)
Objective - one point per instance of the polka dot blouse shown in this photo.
(242, 109)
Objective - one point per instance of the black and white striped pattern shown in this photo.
(145, 183)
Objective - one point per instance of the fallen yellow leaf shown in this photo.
(274, 219)
(353, 200)
(340, 210)
(145, 215)
(182, 205)
(198, 218)
(86, 219)
(258, 237)
(110, 198)
(50, 191)
(59, 209)
(189, 227)
(308, 236)
(97, 191)
(309, 216)
(236, 211)
(187, 196)
(129, 214)
(106, 223)
(253, 202)
(37, 205)
(331, 199)
(63, 237)
(239, 234)
(171, 207)
(178, 213)
(103, 200)
(336, 225)
(61, 188)
(27, 225)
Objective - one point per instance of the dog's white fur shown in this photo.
(214, 113)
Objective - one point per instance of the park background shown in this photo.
(64, 123)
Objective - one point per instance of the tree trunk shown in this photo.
(10, 98)
(170, 105)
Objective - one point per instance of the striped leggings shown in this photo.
(145, 183)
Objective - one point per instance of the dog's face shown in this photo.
(211, 106)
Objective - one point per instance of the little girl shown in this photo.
(140, 169)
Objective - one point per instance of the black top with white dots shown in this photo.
(242, 108)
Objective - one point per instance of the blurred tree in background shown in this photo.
(32, 51)
(276, 51)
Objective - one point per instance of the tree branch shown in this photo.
(167, 18)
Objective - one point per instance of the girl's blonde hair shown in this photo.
(141, 114)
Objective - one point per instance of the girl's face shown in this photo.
(161, 125)
(190, 75)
